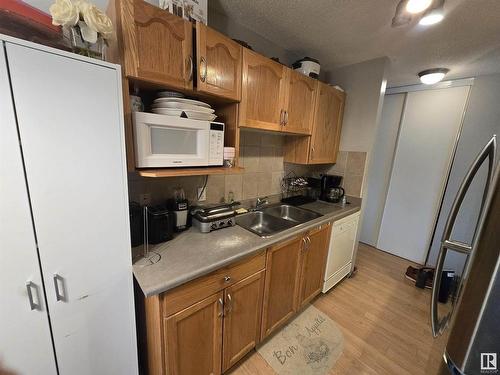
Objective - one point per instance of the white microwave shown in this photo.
(167, 141)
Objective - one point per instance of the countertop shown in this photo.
(192, 254)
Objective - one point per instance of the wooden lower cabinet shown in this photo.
(194, 338)
(313, 262)
(207, 325)
(281, 287)
(242, 318)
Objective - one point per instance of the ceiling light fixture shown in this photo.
(401, 17)
(417, 6)
(433, 15)
(432, 76)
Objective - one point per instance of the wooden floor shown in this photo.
(384, 319)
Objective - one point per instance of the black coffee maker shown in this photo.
(331, 191)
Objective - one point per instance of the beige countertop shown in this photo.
(192, 254)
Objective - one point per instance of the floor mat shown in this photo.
(310, 344)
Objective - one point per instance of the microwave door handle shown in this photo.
(489, 151)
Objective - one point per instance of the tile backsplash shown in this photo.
(261, 156)
(350, 165)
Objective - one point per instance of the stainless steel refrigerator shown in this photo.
(465, 306)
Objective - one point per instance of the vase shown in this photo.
(79, 45)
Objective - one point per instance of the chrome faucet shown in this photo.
(261, 202)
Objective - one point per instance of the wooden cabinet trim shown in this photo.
(234, 51)
(252, 59)
(171, 334)
(229, 358)
(317, 252)
(187, 294)
(267, 327)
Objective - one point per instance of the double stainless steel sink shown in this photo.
(273, 219)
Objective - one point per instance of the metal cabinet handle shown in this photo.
(203, 69)
(281, 117)
(308, 242)
(191, 68)
(227, 279)
(229, 304)
(304, 241)
(285, 120)
(33, 305)
(489, 151)
(60, 292)
(221, 308)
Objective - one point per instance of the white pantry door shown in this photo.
(71, 130)
(25, 342)
(429, 128)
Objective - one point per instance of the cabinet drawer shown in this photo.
(198, 289)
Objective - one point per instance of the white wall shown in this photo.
(365, 86)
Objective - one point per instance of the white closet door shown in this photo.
(427, 136)
(25, 342)
(69, 118)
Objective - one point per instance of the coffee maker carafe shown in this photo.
(331, 191)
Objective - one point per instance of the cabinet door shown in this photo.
(157, 45)
(25, 344)
(281, 286)
(299, 115)
(242, 318)
(262, 92)
(194, 338)
(327, 125)
(70, 124)
(219, 63)
(314, 253)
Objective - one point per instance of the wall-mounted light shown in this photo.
(434, 14)
(417, 6)
(432, 76)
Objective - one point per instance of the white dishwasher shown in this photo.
(343, 242)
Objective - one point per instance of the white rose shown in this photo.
(96, 19)
(64, 13)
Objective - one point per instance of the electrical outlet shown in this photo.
(144, 199)
(202, 194)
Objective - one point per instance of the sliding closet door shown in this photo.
(429, 128)
(25, 343)
(69, 117)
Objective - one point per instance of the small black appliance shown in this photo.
(136, 224)
(160, 224)
(331, 191)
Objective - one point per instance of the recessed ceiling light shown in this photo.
(432, 76)
(417, 6)
(432, 17)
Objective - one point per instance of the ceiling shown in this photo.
(344, 32)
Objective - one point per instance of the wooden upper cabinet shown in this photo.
(281, 286)
(327, 125)
(301, 101)
(193, 338)
(242, 318)
(219, 63)
(323, 145)
(313, 263)
(157, 45)
(262, 93)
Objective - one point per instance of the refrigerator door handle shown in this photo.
(489, 151)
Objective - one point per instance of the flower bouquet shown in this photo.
(84, 25)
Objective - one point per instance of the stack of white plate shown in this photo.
(169, 104)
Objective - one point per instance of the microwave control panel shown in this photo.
(216, 144)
